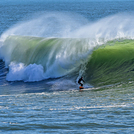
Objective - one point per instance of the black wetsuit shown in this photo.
(79, 81)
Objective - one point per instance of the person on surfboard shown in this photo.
(80, 81)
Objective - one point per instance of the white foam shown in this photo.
(20, 72)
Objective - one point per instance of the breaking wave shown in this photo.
(50, 47)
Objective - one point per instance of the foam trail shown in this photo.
(62, 84)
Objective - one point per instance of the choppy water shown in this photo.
(106, 111)
(44, 52)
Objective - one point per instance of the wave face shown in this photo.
(112, 63)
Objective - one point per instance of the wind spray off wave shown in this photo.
(48, 24)
(60, 44)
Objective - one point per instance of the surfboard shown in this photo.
(80, 87)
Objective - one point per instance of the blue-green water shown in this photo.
(106, 111)
(45, 46)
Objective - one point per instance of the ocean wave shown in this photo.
(101, 51)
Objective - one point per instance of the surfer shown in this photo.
(80, 81)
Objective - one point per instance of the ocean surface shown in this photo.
(46, 46)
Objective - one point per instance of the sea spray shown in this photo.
(48, 24)
(72, 25)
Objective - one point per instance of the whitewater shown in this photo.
(44, 54)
